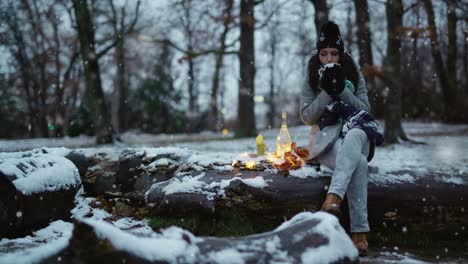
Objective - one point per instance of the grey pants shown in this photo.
(348, 158)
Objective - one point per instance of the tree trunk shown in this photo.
(271, 102)
(453, 110)
(273, 43)
(192, 93)
(94, 93)
(452, 43)
(214, 115)
(321, 14)
(392, 71)
(364, 38)
(245, 109)
(121, 86)
(465, 59)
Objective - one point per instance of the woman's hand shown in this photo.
(333, 81)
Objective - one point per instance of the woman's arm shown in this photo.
(359, 100)
(312, 104)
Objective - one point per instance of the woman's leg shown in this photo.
(355, 145)
(348, 158)
(357, 198)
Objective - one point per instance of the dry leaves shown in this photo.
(292, 159)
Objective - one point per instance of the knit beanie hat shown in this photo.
(330, 37)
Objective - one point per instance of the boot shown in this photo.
(360, 242)
(332, 205)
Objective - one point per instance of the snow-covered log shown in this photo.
(35, 190)
(186, 182)
(397, 198)
(120, 172)
(306, 238)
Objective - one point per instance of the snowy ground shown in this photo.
(444, 152)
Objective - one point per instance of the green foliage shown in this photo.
(81, 122)
(226, 225)
(155, 104)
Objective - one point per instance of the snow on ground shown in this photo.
(444, 153)
(40, 245)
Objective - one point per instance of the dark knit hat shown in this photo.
(330, 37)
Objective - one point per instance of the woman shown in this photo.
(334, 82)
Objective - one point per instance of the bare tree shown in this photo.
(44, 53)
(364, 38)
(321, 14)
(453, 104)
(392, 71)
(123, 25)
(227, 19)
(189, 27)
(245, 109)
(94, 94)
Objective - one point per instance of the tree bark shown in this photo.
(94, 94)
(219, 56)
(191, 82)
(321, 14)
(245, 108)
(271, 102)
(364, 38)
(452, 43)
(392, 70)
(453, 110)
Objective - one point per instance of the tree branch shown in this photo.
(411, 6)
(271, 15)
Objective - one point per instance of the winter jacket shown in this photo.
(312, 107)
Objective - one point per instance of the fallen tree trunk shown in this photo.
(306, 238)
(126, 173)
(398, 200)
(35, 191)
(184, 186)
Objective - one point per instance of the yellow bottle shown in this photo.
(283, 141)
(260, 145)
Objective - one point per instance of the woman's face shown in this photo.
(329, 55)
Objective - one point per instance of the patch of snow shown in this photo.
(27, 144)
(454, 180)
(257, 182)
(192, 184)
(41, 173)
(230, 255)
(330, 228)
(305, 172)
(189, 184)
(110, 153)
(136, 227)
(84, 210)
(339, 245)
(395, 257)
(42, 244)
(162, 248)
(389, 178)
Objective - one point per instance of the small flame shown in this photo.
(250, 164)
(270, 157)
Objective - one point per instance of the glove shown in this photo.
(333, 81)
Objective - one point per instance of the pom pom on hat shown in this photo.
(330, 37)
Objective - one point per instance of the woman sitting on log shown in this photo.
(343, 136)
